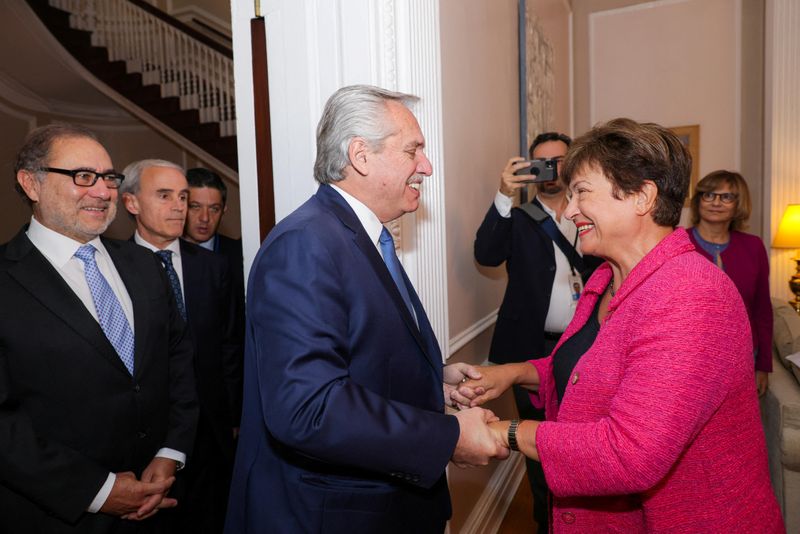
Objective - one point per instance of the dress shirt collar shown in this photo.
(210, 244)
(56, 247)
(175, 246)
(372, 225)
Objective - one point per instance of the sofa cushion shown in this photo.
(786, 331)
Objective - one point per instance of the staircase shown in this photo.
(166, 69)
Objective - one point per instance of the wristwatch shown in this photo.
(512, 435)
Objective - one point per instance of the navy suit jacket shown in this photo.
(531, 265)
(69, 410)
(213, 320)
(343, 426)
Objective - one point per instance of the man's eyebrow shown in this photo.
(415, 144)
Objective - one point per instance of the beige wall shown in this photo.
(677, 63)
(480, 121)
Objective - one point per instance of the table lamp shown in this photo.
(788, 236)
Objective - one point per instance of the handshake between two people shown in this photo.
(483, 435)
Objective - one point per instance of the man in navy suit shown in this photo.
(343, 426)
(208, 202)
(156, 194)
(97, 396)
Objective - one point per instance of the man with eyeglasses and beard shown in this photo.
(543, 282)
(97, 396)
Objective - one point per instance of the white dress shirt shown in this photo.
(59, 250)
(175, 248)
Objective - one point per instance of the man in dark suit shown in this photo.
(156, 193)
(543, 284)
(208, 202)
(97, 396)
(344, 427)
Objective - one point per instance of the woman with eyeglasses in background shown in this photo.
(720, 210)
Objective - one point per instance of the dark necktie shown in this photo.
(109, 311)
(174, 281)
(395, 269)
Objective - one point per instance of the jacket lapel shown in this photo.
(37, 276)
(338, 205)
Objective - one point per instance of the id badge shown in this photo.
(575, 286)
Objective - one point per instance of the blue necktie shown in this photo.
(109, 311)
(174, 282)
(393, 264)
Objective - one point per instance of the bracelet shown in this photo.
(512, 435)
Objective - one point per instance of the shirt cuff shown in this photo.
(503, 204)
(102, 495)
(172, 454)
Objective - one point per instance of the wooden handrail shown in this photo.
(185, 28)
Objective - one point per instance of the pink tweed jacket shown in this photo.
(659, 427)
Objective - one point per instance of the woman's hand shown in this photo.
(495, 379)
(762, 382)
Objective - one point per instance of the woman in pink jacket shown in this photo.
(652, 418)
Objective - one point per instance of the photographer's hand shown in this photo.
(509, 182)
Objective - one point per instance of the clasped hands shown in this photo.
(483, 436)
(137, 500)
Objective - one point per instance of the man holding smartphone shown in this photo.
(541, 294)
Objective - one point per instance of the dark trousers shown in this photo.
(541, 505)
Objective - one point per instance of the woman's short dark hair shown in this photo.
(629, 153)
(547, 137)
(737, 185)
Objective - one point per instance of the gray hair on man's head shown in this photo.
(133, 173)
(353, 111)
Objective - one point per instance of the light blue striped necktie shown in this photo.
(109, 311)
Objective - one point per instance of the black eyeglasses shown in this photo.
(84, 178)
(725, 198)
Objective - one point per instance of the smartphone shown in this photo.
(543, 170)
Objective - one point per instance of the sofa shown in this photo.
(780, 413)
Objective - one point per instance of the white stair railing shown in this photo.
(184, 67)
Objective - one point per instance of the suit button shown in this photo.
(568, 517)
(574, 378)
(136, 388)
(141, 435)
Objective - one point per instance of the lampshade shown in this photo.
(788, 235)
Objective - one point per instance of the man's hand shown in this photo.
(158, 470)
(476, 443)
(509, 182)
(495, 381)
(455, 374)
(129, 495)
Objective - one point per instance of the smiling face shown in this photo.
(716, 211)
(205, 213)
(391, 177)
(605, 224)
(80, 213)
(160, 205)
